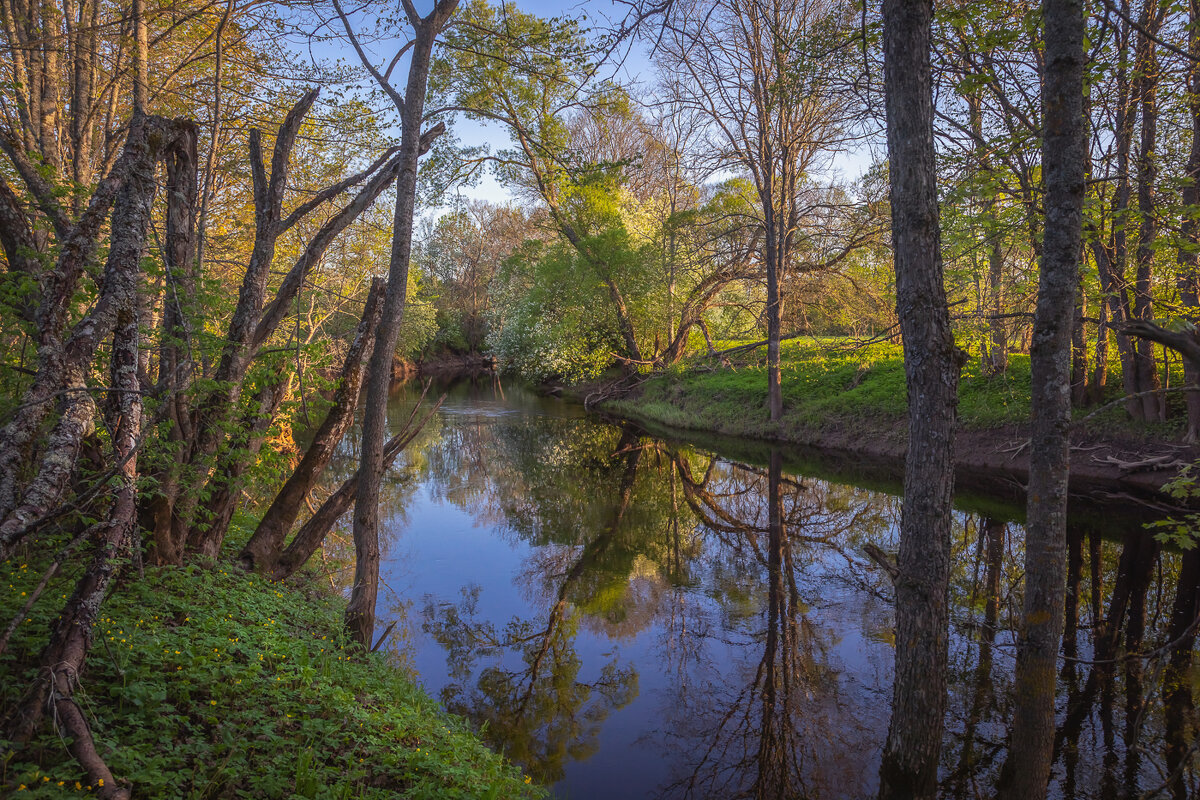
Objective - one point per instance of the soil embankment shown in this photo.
(1106, 469)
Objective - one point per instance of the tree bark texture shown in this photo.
(932, 364)
(1026, 771)
(63, 369)
(1146, 92)
(116, 312)
(78, 244)
(1187, 279)
(360, 612)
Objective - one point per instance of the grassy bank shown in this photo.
(831, 385)
(214, 683)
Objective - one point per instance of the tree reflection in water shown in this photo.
(780, 728)
(731, 609)
(541, 711)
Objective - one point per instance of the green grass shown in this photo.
(218, 684)
(830, 384)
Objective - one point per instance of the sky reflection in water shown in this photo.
(630, 617)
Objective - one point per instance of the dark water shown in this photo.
(619, 614)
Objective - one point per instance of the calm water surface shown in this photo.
(630, 617)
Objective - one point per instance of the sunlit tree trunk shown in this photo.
(1188, 270)
(1146, 92)
(266, 544)
(360, 612)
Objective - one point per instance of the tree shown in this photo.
(531, 76)
(931, 365)
(414, 140)
(460, 254)
(1027, 769)
(766, 78)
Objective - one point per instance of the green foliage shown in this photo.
(419, 325)
(552, 321)
(215, 683)
(1182, 531)
(828, 383)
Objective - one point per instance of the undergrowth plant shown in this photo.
(215, 683)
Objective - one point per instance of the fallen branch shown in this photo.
(621, 386)
(1157, 462)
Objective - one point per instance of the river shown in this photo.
(629, 616)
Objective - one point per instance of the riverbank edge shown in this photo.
(993, 459)
(205, 642)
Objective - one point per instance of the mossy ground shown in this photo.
(210, 682)
(831, 383)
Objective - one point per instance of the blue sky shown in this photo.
(635, 71)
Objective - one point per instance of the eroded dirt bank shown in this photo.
(1106, 472)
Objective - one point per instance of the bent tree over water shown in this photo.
(626, 615)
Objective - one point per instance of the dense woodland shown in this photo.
(223, 222)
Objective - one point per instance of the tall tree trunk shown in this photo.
(360, 612)
(998, 352)
(1112, 263)
(1026, 771)
(1188, 270)
(1079, 365)
(1146, 81)
(180, 279)
(1100, 374)
(774, 332)
(141, 58)
(932, 365)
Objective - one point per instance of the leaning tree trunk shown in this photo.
(78, 245)
(64, 365)
(932, 365)
(313, 532)
(266, 544)
(1026, 771)
(63, 658)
